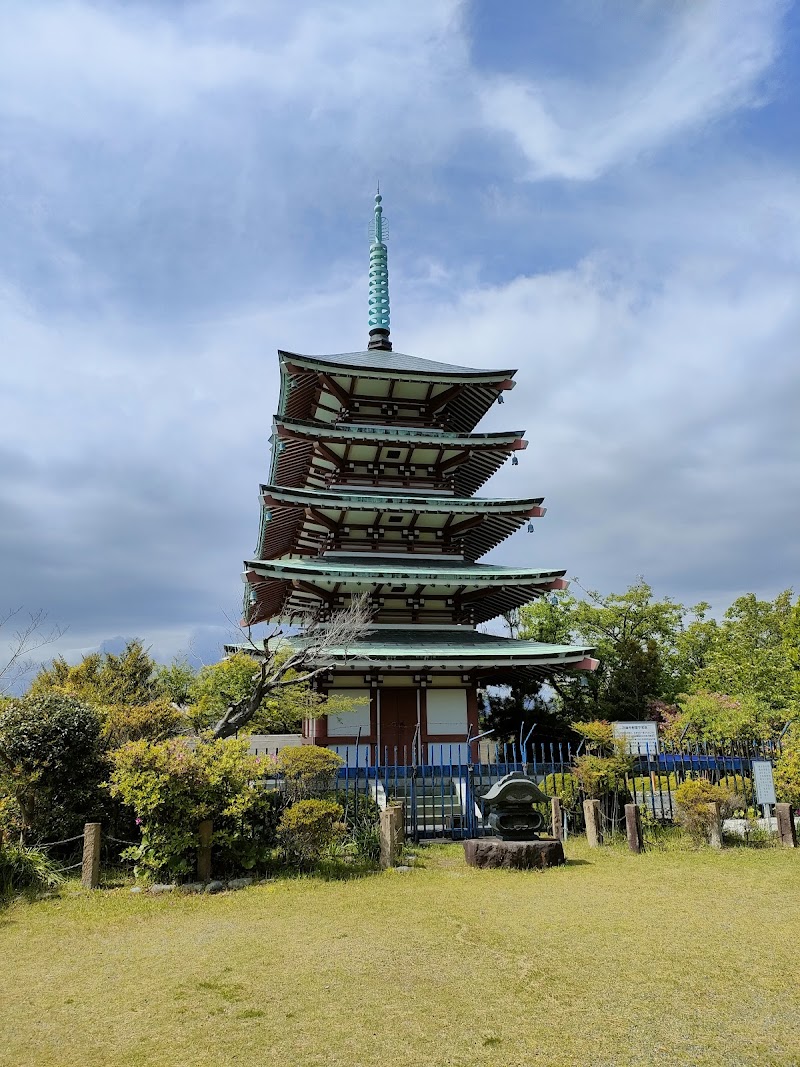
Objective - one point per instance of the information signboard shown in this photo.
(641, 737)
(763, 781)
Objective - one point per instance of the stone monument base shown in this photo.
(514, 855)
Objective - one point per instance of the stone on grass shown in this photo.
(165, 887)
(136, 889)
(513, 855)
(215, 887)
(239, 883)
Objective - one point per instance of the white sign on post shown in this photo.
(640, 737)
(763, 781)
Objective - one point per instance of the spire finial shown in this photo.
(379, 280)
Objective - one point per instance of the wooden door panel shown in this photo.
(398, 721)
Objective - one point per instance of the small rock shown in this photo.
(192, 887)
(136, 889)
(404, 868)
(162, 888)
(215, 887)
(239, 883)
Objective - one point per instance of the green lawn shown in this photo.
(668, 958)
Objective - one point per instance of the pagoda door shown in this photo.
(398, 724)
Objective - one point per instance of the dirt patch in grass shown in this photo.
(672, 958)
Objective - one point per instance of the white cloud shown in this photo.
(710, 62)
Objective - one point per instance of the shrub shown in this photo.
(173, 788)
(692, 799)
(308, 828)
(53, 764)
(787, 769)
(26, 870)
(566, 787)
(307, 770)
(362, 823)
(599, 776)
(599, 734)
(155, 721)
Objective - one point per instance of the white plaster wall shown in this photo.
(347, 725)
(447, 711)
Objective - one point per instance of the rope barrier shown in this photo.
(119, 840)
(52, 844)
(73, 867)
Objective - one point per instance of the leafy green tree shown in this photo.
(52, 763)
(174, 681)
(754, 653)
(719, 719)
(219, 686)
(128, 678)
(636, 637)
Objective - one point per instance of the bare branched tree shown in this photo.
(309, 656)
(32, 632)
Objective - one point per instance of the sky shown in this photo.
(601, 193)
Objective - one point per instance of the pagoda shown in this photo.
(374, 469)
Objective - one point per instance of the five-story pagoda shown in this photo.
(371, 489)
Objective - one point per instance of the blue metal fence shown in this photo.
(442, 796)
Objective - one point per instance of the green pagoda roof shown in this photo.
(305, 453)
(384, 386)
(435, 588)
(308, 520)
(388, 364)
(459, 649)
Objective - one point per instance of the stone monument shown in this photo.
(515, 823)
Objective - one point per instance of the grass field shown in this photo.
(666, 958)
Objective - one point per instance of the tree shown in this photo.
(218, 685)
(175, 681)
(512, 710)
(128, 678)
(287, 666)
(637, 641)
(31, 634)
(52, 761)
(754, 652)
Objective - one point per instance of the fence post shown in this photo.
(787, 833)
(556, 819)
(633, 827)
(392, 833)
(715, 825)
(594, 832)
(205, 829)
(90, 867)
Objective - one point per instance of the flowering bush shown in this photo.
(173, 788)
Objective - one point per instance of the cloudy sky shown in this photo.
(602, 194)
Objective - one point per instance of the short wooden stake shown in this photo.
(90, 867)
(715, 825)
(556, 819)
(594, 832)
(205, 829)
(787, 832)
(633, 827)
